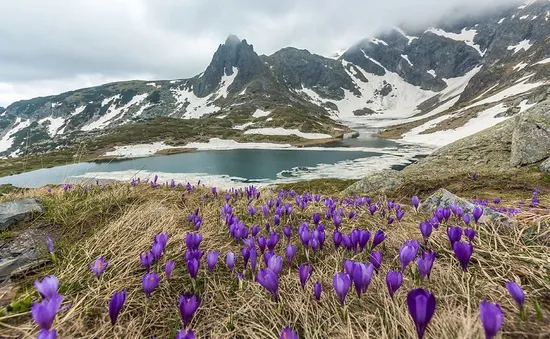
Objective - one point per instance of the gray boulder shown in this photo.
(383, 182)
(9, 265)
(17, 210)
(545, 166)
(531, 137)
(444, 198)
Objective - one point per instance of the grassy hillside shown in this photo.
(120, 222)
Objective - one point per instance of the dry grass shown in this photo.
(228, 311)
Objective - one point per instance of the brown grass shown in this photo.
(228, 311)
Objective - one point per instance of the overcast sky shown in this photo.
(51, 46)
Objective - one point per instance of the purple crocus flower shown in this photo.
(426, 230)
(425, 263)
(212, 259)
(361, 276)
(400, 214)
(262, 242)
(394, 279)
(49, 244)
(421, 305)
(269, 280)
(115, 305)
(275, 263)
(463, 252)
(290, 253)
(341, 283)
(255, 230)
(287, 232)
(288, 333)
(337, 238)
(47, 287)
(516, 292)
(470, 233)
(251, 210)
(149, 282)
(156, 251)
(477, 213)
(146, 260)
(169, 268)
(45, 334)
(193, 240)
(407, 253)
(416, 202)
(390, 220)
(316, 218)
(454, 233)
(249, 242)
(253, 259)
(245, 251)
(277, 220)
(372, 209)
(99, 266)
(337, 221)
(273, 240)
(376, 260)
(364, 237)
(162, 238)
(230, 260)
(466, 219)
(183, 334)
(491, 318)
(378, 238)
(317, 289)
(348, 266)
(447, 213)
(193, 267)
(43, 313)
(188, 305)
(304, 271)
(459, 212)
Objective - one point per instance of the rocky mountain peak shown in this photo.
(232, 39)
(234, 56)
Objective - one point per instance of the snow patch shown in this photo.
(524, 106)
(518, 88)
(406, 57)
(138, 150)
(543, 62)
(525, 45)
(196, 107)
(78, 110)
(466, 35)
(432, 73)
(243, 126)
(520, 66)
(225, 82)
(523, 17)
(378, 41)
(54, 126)
(114, 113)
(484, 119)
(501, 21)
(56, 104)
(7, 140)
(410, 38)
(260, 113)
(283, 131)
(153, 84)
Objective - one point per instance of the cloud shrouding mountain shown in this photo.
(54, 46)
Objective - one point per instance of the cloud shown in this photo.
(45, 46)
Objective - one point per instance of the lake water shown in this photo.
(348, 159)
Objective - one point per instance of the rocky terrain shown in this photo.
(443, 82)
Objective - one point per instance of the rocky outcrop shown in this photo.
(19, 254)
(444, 198)
(531, 137)
(545, 166)
(13, 211)
(383, 182)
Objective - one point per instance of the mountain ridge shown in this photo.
(434, 76)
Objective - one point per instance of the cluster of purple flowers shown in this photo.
(311, 234)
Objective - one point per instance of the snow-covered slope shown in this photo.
(447, 79)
